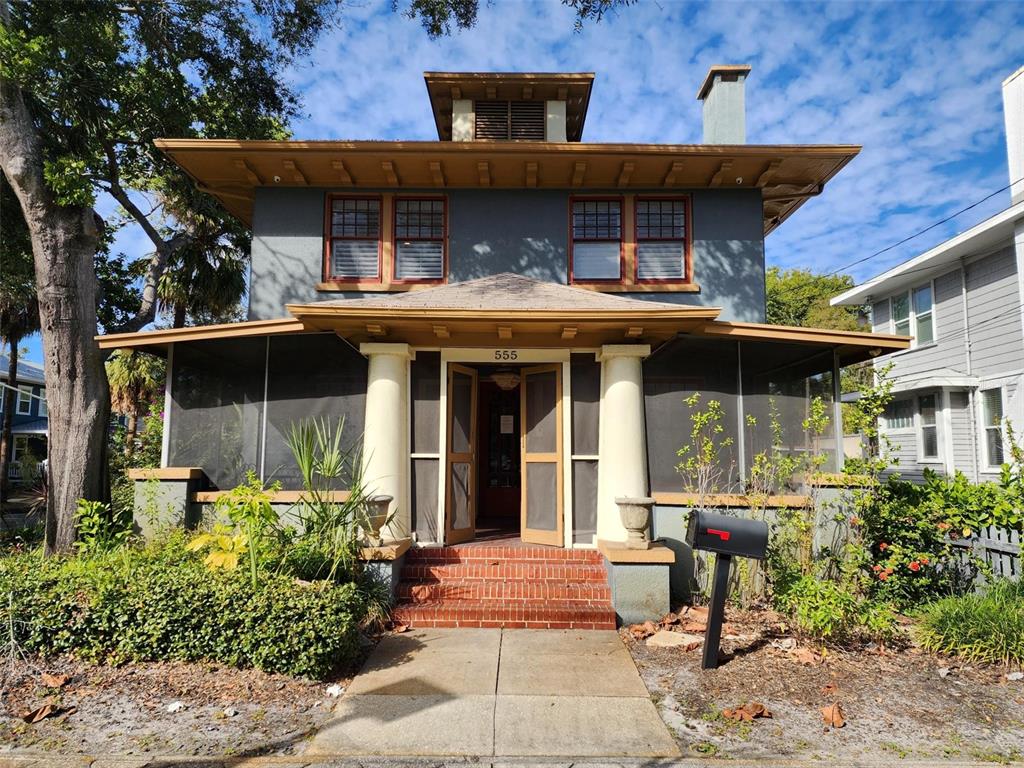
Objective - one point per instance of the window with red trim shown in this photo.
(419, 239)
(661, 239)
(355, 238)
(596, 240)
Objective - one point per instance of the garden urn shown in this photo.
(636, 515)
(376, 516)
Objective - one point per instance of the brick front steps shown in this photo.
(517, 587)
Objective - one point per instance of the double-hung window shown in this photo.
(596, 240)
(913, 314)
(899, 414)
(929, 447)
(992, 422)
(43, 412)
(419, 239)
(355, 246)
(661, 239)
(24, 399)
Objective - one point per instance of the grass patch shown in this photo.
(983, 628)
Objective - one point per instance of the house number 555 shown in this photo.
(506, 354)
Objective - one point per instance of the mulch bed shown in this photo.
(895, 703)
(134, 709)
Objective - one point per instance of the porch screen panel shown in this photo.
(217, 407)
(542, 413)
(311, 376)
(685, 367)
(462, 402)
(781, 382)
(585, 388)
(461, 489)
(424, 499)
(542, 495)
(425, 392)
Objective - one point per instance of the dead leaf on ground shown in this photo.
(400, 628)
(53, 681)
(640, 631)
(804, 656)
(833, 715)
(694, 626)
(668, 619)
(697, 613)
(47, 710)
(747, 712)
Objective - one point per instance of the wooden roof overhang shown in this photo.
(231, 170)
(571, 87)
(527, 329)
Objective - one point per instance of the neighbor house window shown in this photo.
(596, 240)
(899, 414)
(929, 429)
(992, 420)
(912, 314)
(419, 239)
(43, 412)
(661, 239)
(24, 399)
(355, 238)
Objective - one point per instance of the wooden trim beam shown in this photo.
(569, 332)
(675, 171)
(376, 329)
(768, 173)
(739, 500)
(343, 175)
(624, 173)
(579, 173)
(297, 175)
(441, 331)
(723, 170)
(634, 332)
(483, 171)
(390, 173)
(531, 174)
(505, 332)
(437, 173)
(248, 171)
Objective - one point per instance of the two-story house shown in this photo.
(28, 419)
(511, 318)
(962, 302)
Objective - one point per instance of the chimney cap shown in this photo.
(720, 69)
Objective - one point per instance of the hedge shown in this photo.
(161, 604)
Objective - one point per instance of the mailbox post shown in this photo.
(727, 537)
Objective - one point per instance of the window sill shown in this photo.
(617, 287)
(336, 286)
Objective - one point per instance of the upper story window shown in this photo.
(355, 238)
(509, 120)
(913, 315)
(992, 422)
(596, 226)
(419, 239)
(661, 239)
(24, 399)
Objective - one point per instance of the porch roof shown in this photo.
(511, 310)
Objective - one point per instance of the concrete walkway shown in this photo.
(494, 692)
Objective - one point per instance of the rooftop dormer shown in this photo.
(509, 106)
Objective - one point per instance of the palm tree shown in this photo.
(134, 378)
(19, 309)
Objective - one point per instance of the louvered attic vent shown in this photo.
(509, 120)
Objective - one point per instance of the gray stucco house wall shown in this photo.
(521, 231)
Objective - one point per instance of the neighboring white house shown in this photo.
(963, 303)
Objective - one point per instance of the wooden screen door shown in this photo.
(460, 490)
(541, 439)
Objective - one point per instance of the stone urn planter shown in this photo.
(376, 516)
(636, 516)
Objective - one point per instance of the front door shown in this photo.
(541, 408)
(460, 484)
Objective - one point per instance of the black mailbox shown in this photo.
(727, 537)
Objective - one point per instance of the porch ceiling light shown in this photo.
(506, 380)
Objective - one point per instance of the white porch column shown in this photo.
(385, 430)
(622, 449)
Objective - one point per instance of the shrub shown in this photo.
(985, 627)
(831, 610)
(161, 603)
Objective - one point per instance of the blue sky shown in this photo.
(916, 83)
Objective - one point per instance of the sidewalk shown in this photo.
(493, 692)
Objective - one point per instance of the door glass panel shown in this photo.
(462, 412)
(424, 499)
(460, 495)
(541, 413)
(541, 495)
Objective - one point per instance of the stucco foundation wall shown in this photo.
(520, 231)
(640, 592)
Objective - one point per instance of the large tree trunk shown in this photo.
(10, 403)
(64, 241)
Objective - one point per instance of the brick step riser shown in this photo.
(473, 572)
(545, 557)
(504, 592)
(526, 617)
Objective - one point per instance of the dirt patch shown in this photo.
(896, 704)
(134, 710)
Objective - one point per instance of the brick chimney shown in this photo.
(1013, 111)
(725, 120)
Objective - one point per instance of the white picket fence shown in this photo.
(997, 547)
